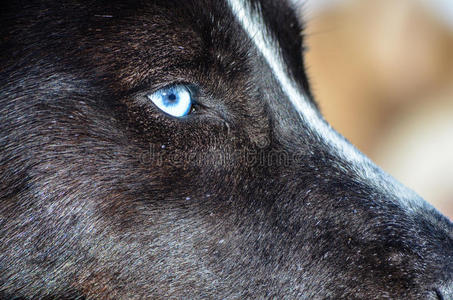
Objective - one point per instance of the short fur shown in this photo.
(103, 196)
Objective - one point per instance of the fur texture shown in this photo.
(103, 196)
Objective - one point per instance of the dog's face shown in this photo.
(171, 149)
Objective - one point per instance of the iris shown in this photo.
(175, 100)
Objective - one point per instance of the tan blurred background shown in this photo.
(382, 72)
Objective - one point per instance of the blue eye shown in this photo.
(175, 101)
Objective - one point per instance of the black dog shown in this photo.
(171, 149)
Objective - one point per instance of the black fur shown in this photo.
(105, 197)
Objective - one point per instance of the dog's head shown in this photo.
(172, 149)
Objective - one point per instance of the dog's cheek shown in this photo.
(133, 205)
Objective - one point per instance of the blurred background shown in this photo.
(382, 72)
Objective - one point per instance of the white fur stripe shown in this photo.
(256, 30)
(253, 24)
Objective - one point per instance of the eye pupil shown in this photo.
(172, 97)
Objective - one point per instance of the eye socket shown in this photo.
(175, 100)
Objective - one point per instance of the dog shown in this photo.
(173, 150)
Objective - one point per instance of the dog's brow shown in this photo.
(251, 20)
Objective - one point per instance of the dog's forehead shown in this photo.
(145, 36)
(220, 27)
